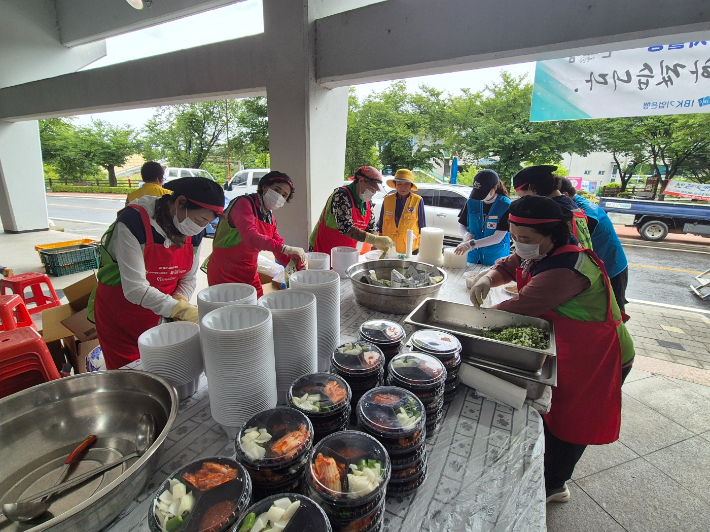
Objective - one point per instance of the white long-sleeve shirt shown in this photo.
(127, 252)
(485, 241)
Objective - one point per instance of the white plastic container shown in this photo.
(318, 261)
(342, 257)
(452, 260)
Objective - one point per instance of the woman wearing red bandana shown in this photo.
(149, 260)
(567, 285)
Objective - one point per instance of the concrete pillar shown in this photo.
(23, 204)
(307, 123)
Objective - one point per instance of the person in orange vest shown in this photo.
(401, 211)
(348, 218)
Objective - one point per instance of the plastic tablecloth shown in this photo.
(485, 467)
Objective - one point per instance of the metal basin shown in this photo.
(41, 425)
(392, 300)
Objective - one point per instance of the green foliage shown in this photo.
(466, 176)
(612, 185)
(66, 149)
(50, 172)
(95, 190)
(588, 195)
(422, 177)
(110, 145)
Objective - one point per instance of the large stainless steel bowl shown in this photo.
(40, 426)
(391, 300)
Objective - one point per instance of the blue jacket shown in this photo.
(604, 239)
(481, 226)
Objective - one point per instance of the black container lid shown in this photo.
(382, 332)
(434, 342)
(319, 394)
(417, 370)
(307, 515)
(232, 496)
(391, 412)
(291, 438)
(357, 358)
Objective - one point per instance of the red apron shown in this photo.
(237, 264)
(119, 322)
(586, 405)
(327, 238)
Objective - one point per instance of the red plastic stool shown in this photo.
(34, 281)
(13, 313)
(18, 348)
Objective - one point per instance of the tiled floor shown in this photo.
(655, 478)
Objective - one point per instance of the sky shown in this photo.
(218, 25)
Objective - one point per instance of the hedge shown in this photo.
(89, 190)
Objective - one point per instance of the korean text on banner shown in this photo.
(683, 189)
(663, 79)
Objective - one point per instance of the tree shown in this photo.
(186, 134)
(360, 149)
(494, 125)
(66, 150)
(621, 137)
(109, 146)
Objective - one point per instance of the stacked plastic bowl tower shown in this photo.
(447, 348)
(424, 376)
(396, 417)
(173, 351)
(294, 317)
(325, 399)
(387, 335)
(361, 365)
(325, 285)
(347, 476)
(221, 295)
(274, 446)
(238, 349)
(342, 257)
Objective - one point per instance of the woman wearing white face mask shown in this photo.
(348, 217)
(149, 260)
(567, 285)
(485, 238)
(247, 228)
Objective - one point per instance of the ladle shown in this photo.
(24, 510)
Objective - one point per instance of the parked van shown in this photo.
(176, 173)
(244, 182)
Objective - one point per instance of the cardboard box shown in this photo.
(70, 320)
(77, 353)
(268, 284)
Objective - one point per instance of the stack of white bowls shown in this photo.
(173, 351)
(342, 257)
(431, 245)
(221, 295)
(238, 349)
(325, 285)
(318, 261)
(295, 336)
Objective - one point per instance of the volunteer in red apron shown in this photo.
(149, 260)
(348, 217)
(567, 285)
(539, 180)
(248, 227)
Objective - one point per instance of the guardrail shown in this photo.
(130, 183)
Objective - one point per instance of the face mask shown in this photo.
(528, 251)
(187, 227)
(490, 198)
(273, 200)
(367, 195)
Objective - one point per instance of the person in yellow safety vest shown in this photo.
(402, 210)
(152, 174)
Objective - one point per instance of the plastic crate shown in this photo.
(44, 247)
(70, 259)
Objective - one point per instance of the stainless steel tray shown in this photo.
(534, 383)
(465, 321)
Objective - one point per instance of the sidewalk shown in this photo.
(655, 477)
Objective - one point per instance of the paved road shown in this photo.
(659, 273)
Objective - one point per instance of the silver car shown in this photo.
(442, 204)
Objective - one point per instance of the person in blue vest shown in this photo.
(483, 239)
(605, 241)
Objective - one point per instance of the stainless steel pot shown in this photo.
(392, 300)
(39, 426)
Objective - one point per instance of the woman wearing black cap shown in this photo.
(539, 180)
(567, 285)
(149, 260)
(247, 228)
(484, 238)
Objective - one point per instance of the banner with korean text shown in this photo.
(663, 79)
(684, 189)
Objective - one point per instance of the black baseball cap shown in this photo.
(532, 174)
(484, 181)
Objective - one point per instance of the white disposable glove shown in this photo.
(480, 290)
(465, 246)
(297, 253)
